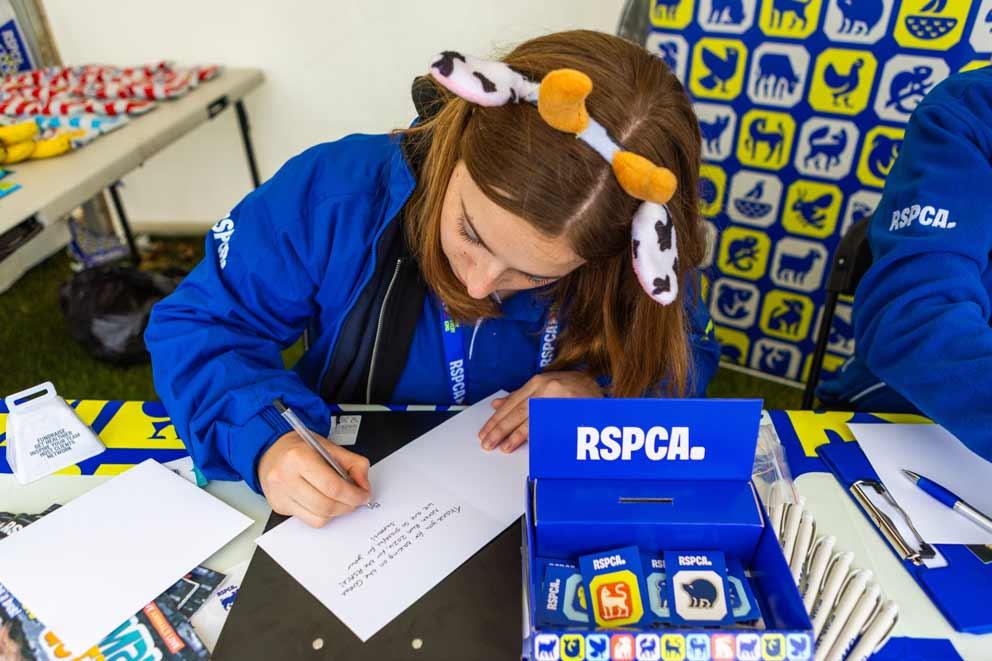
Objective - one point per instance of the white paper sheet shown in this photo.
(94, 562)
(441, 498)
(931, 451)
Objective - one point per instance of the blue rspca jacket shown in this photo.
(319, 246)
(922, 312)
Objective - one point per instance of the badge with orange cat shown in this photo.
(615, 587)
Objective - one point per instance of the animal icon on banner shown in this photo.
(802, 108)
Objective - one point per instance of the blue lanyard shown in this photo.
(454, 351)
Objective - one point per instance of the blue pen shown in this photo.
(949, 499)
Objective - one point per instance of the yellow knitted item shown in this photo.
(11, 134)
(57, 145)
(561, 100)
(18, 152)
(643, 179)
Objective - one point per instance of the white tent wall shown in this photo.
(331, 68)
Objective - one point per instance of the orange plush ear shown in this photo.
(643, 179)
(562, 100)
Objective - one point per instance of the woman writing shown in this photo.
(486, 247)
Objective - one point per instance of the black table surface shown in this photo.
(474, 613)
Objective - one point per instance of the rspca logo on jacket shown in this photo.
(927, 215)
(223, 230)
(657, 443)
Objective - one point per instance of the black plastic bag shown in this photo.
(106, 309)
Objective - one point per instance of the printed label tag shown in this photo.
(344, 429)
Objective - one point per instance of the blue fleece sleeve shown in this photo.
(215, 342)
(922, 311)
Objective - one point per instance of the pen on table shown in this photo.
(948, 498)
(301, 429)
(855, 585)
(867, 605)
(804, 537)
(837, 571)
(877, 632)
(790, 526)
(819, 557)
(776, 509)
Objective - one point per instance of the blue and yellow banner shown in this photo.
(802, 107)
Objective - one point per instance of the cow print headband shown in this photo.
(561, 101)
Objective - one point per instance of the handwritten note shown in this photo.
(439, 500)
(387, 543)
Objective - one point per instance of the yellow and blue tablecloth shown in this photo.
(135, 431)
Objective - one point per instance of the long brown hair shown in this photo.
(562, 186)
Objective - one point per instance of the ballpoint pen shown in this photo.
(876, 633)
(854, 587)
(301, 429)
(837, 571)
(819, 556)
(946, 497)
(790, 526)
(807, 529)
(776, 509)
(867, 605)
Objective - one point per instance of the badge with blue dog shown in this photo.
(697, 587)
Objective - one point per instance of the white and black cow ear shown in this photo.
(655, 252)
(562, 105)
(482, 82)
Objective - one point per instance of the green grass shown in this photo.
(36, 346)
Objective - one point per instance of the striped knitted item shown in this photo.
(95, 89)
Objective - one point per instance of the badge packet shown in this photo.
(615, 586)
(697, 587)
(743, 605)
(657, 586)
(563, 599)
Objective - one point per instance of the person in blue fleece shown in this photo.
(922, 311)
(483, 248)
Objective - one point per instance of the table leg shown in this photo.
(125, 225)
(822, 339)
(239, 107)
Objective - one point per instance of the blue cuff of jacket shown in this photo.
(248, 443)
